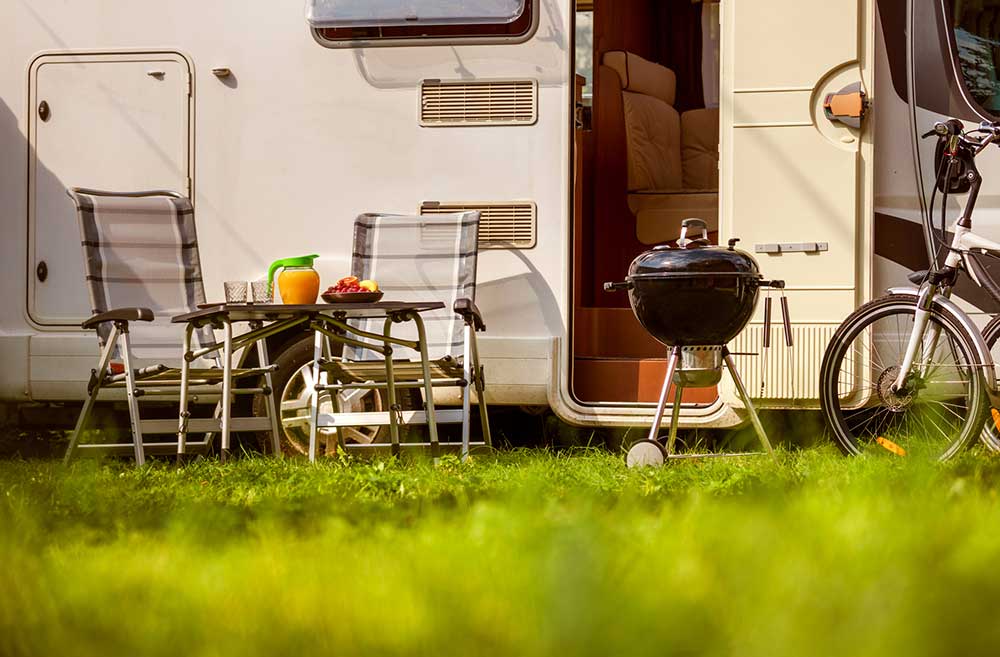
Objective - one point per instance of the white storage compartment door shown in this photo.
(112, 122)
(794, 182)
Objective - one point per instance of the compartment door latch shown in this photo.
(849, 106)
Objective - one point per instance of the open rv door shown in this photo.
(796, 177)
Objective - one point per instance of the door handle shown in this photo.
(42, 271)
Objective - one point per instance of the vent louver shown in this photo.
(509, 225)
(492, 102)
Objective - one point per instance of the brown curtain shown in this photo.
(678, 46)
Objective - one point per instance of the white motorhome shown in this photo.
(284, 124)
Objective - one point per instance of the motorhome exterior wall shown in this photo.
(289, 148)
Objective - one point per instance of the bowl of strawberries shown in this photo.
(351, 290)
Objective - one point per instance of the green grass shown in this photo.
(528, 553)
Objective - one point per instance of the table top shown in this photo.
(246, 312)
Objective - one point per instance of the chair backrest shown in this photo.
(419, 258)
(140, 249)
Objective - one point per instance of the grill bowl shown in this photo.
(693, 296)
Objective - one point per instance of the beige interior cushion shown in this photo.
(658, 216)
(653, 131)
(642, 76)
(700, 149)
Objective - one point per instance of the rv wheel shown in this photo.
(645, 452)
(292, 385)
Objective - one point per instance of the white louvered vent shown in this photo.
(508, 225)
(488, 102)
(789, 374)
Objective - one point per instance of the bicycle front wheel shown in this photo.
(942, 405)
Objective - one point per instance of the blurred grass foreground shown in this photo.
(524, 553)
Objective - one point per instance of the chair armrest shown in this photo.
(467, 309)
(119, 315)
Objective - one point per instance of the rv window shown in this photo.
(977, 39)
(341, 22)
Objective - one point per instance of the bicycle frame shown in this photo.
(939, 282)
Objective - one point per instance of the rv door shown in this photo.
(115, 122)
(796, 178)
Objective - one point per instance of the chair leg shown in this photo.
(314, 397)
(466, 389)
(88, 404)
(428, 386)
(132, 391)
(390, 390)
(484, 416)
(183, 414)
(270, 402)
(227, 386)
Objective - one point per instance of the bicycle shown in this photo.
(909, 372)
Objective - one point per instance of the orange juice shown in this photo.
(298, 285)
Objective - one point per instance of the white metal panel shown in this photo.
(116, 123)
(300, 139)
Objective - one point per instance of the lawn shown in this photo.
(524, 553)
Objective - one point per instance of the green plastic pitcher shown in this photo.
(298, 282)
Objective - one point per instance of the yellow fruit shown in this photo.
(371, 286)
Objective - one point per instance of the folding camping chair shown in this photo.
(142, 267)
(413, 259)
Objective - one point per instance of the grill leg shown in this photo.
(658, 418)
(751, 411)
(675, 414)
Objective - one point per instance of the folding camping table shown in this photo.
(330, 320)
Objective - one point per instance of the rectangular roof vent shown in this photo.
(487, 102)
(505, 225)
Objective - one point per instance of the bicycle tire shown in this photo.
(864, 317)
(991, 435)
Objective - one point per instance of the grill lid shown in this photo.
(693, 261)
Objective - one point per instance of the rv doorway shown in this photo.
(648, 72)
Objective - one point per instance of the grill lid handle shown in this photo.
(692, 222)
(614, 287)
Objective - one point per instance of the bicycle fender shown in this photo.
(948, 307)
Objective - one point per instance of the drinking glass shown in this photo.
(236, 291)
(261, 291)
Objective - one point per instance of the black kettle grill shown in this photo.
(694, 298)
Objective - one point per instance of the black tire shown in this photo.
(991, 334)
(916, 420)
(291, 359)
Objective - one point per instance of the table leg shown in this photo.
(314, 397)
(270, 402)
(428, 387)
(227, 386)
(183, 413)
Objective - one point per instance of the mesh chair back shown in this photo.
(418, 258)
(141, 250)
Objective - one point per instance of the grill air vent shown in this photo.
(494, 102)
(508, 225)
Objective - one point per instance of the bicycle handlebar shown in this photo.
(954, 131)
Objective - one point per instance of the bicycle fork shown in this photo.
(919, 338)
